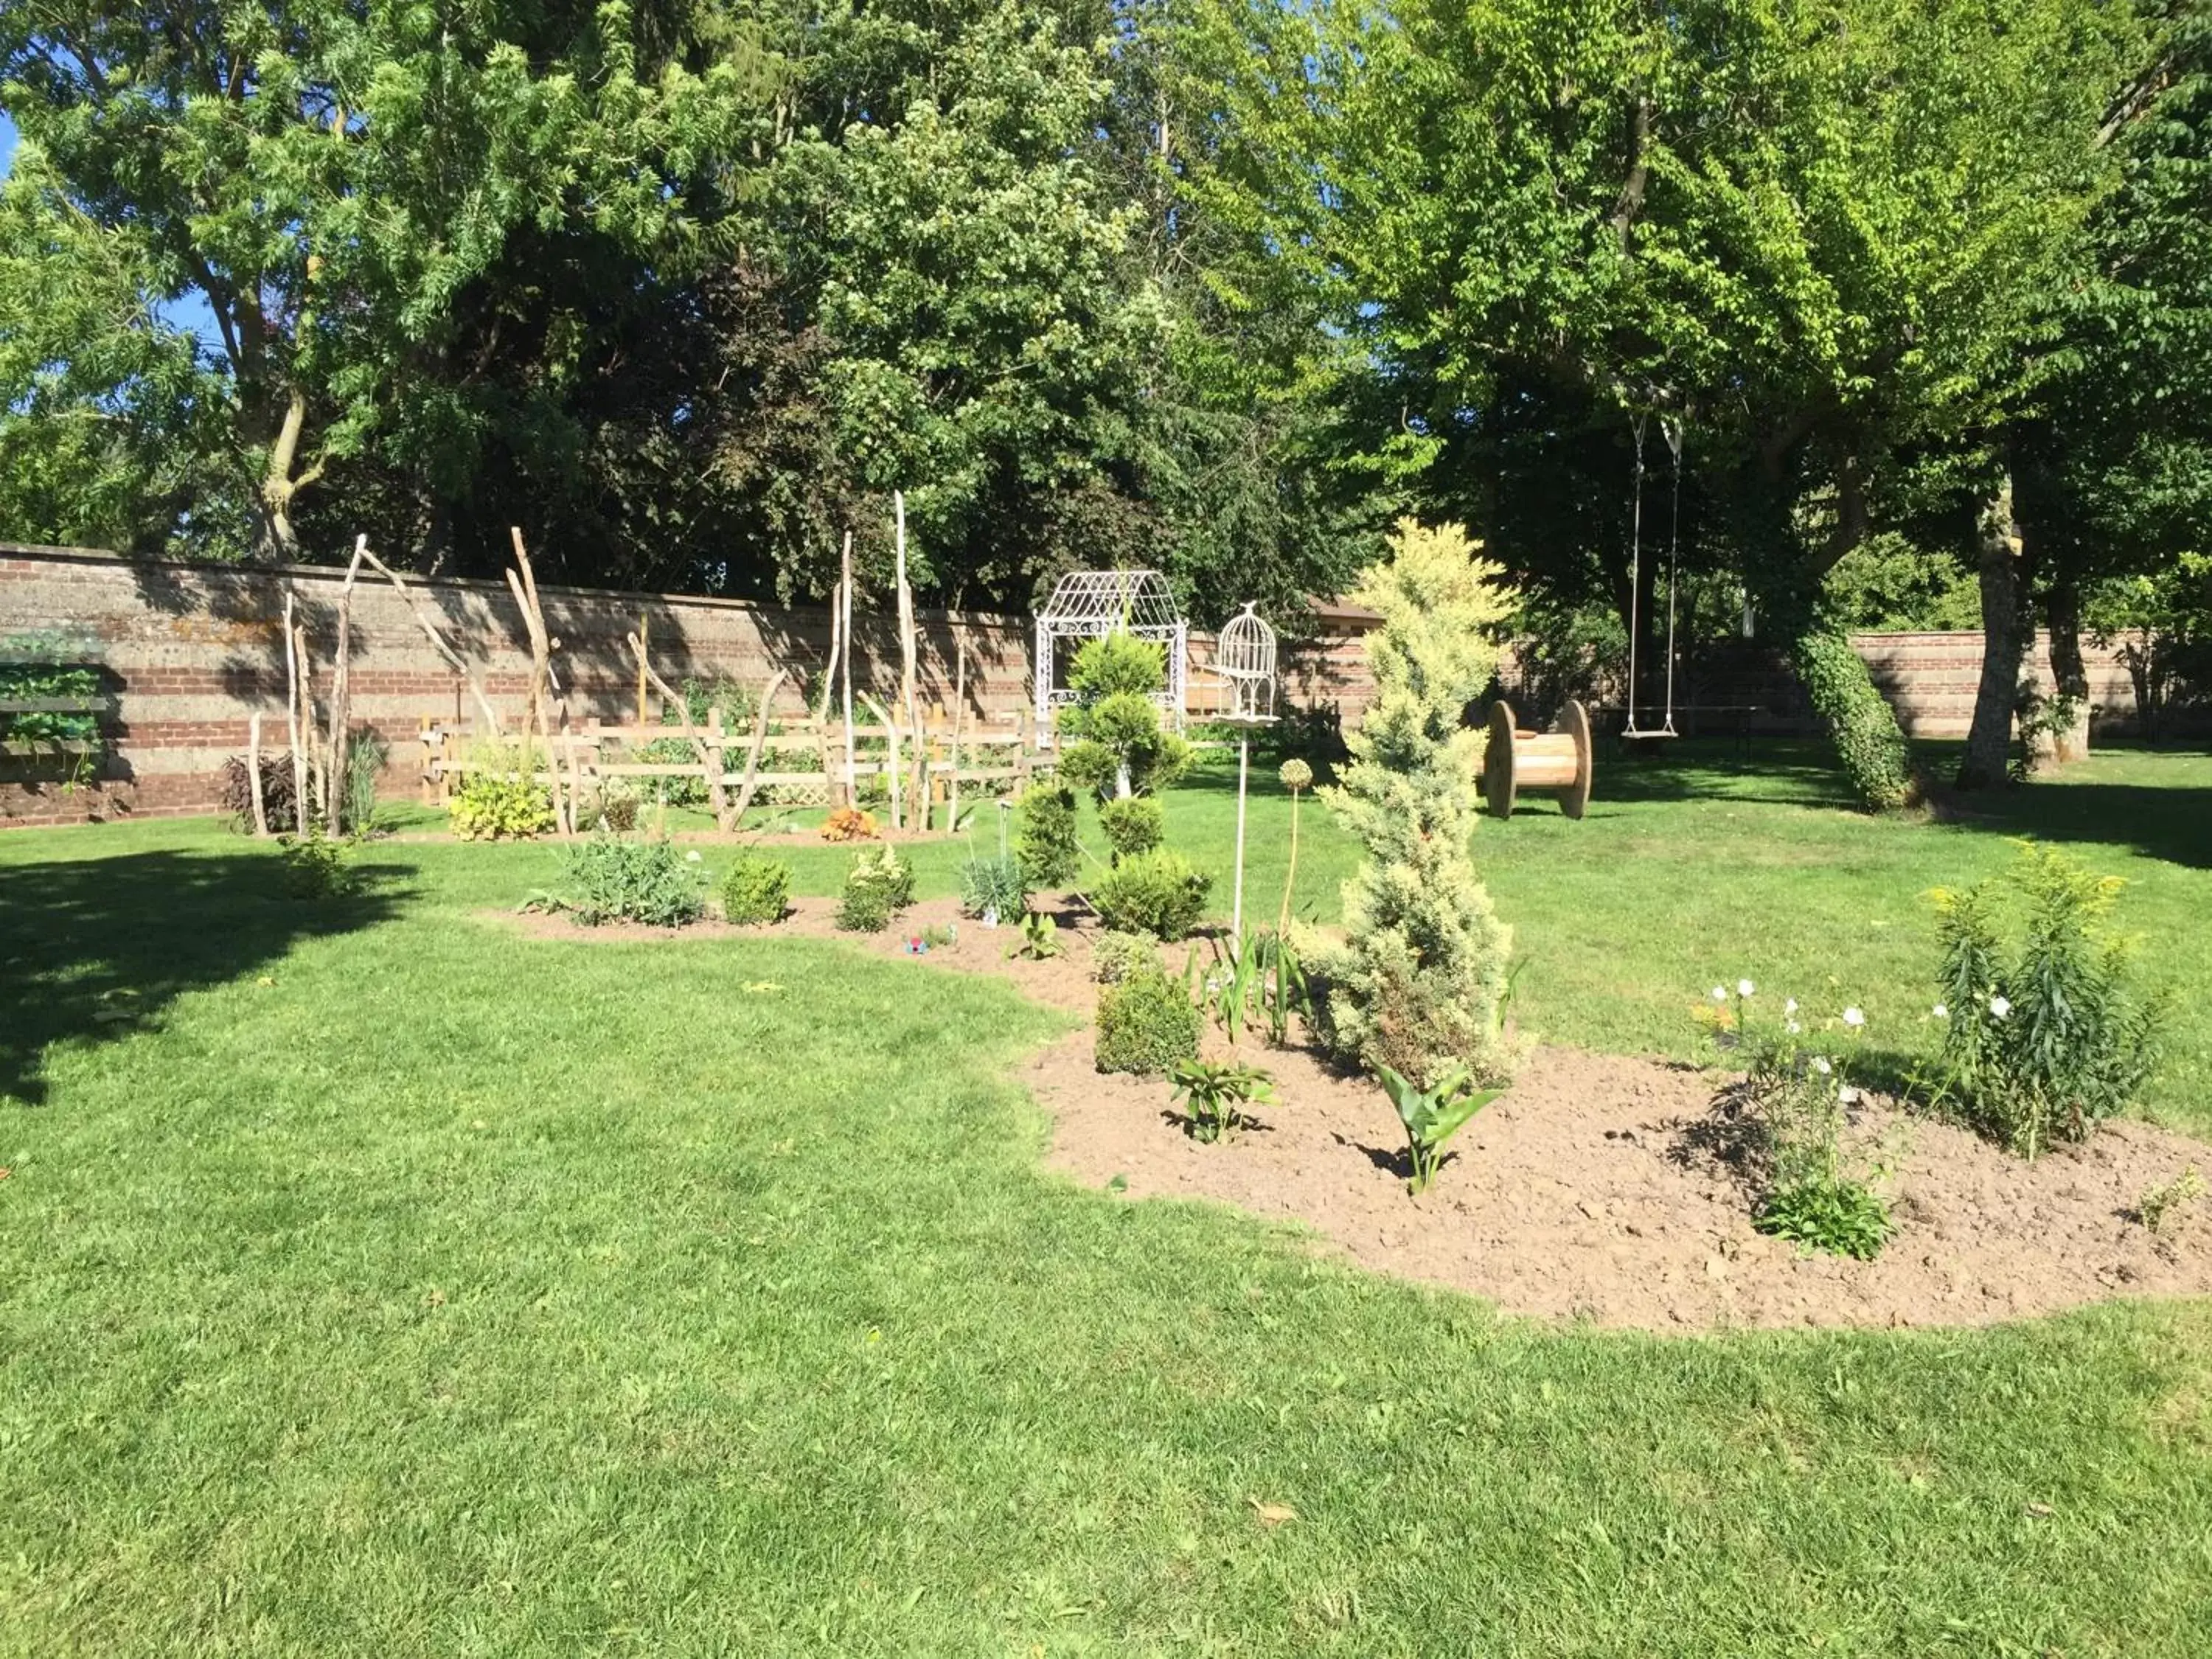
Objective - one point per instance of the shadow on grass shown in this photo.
(93, 950)
(2171, 822)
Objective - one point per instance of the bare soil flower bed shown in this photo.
(1599, 1188)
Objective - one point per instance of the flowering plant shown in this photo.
(1798, 1084)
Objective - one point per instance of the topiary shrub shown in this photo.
(1868, 738)
(1044, 837)
(1115, 744)
(878, 886)
(1116, 955)
(1133, 826)
(648, 882)
(1160, 893)
(758, 890)
(1419, 983)
(1147, 1023)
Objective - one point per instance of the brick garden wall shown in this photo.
(188, 652)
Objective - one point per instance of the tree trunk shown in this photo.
(2070, 674)
(1988, 763)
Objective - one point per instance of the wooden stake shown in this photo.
(253, 774)
(959, 715)
(690, 729)
(845, 607)
(645, 640)
(753, 754)
(341, 739)
(525, 589)
(907, 708)
(292, 717)
(895, 776)
(492, 727)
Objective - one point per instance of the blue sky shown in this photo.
(7, 144)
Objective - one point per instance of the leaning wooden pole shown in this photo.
(894, 776)
(844, 609)
(292, 717)
(253, 775)
(908, 711)
(492, 726)
(341, 738)
(524, 586)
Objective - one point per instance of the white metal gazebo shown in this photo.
(1089, 604)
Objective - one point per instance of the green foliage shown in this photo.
(2044, 1034)
(1236, 986)
(1868, 740)
(235, 790)
(615, 807)
(1215, 1093)
(1147, 1023)
(1161, 893)
(1419, 983)
(2158, 1204)
(1115, 744)
(677, 790)
(1887, 585)
(756, 889)
(1283, 990)
(1838, 1217)
(617, 878)
(1044, 840)
(878, 886)
(52, 667)
(1039, 938)
(1136, 824)
(1432, 1116)
(1115, 957)
(366, 756)
(1797, 1084)
(497, 800)
(992, 885)
(314, 865)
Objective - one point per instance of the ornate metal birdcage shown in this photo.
(1245, 660)
(1089, 604)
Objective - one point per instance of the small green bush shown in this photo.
(1843, 1217)
(993, 886)
(1133, 826)
(494, 805)
(647, 882)
(1044, 840)
(617, 804)
(1159, 892)
(756, 889)
(1147, 1023)
(2044, 1034)
(1116, 955)
(314, 865)
(878, 886)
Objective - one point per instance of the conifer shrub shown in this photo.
(756, 889)
(1044, 837)
(1160, 893)
(1419, 984)
(1135, 825)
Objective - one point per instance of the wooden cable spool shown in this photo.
(1557, 761)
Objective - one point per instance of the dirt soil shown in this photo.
(1600, 1188)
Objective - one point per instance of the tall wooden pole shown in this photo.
(292, 701)
(845, 608)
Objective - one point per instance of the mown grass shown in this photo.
(373, 1281)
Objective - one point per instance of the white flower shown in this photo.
(1853, 1018)
(1794, 1028)
(691, 857)
(1847, 1095)
(1744, 988)
(1720, 993)
(1820, 1065)
(1789, 1004)
(1999, 1006)
(1942, 1013)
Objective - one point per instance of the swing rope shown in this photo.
(1672, 431)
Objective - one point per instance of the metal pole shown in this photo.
(1243, 765)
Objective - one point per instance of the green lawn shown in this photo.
(374, 1282)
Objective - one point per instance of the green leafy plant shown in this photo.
(235, 790)
(756, 889)
(1236, 986)
(992, 888)
(499, 800)
(1115, 957)
(617, 804)
(1160, 893)
(1044, 838)
(1840, 1218)
(52, 667)
(615, 878)
(2156, 1206)
(1039, 938)
(1147, 1023)
(365, 757)
(1818, 1194)
(878, 886)
(314, 865)
(1133, 826)
(1432, 1116)
(1297, 777)
(1283, 990)
(1215, 1093)
(1116, 745)
(2044, 1035)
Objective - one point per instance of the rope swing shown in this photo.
(1671, 429)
